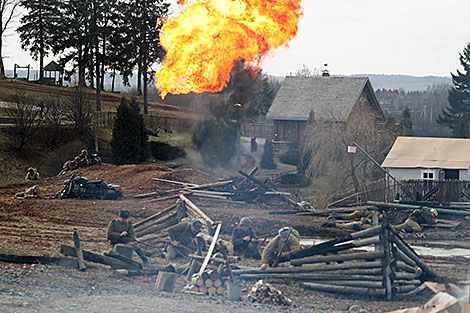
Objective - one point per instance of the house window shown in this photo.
(428, 174)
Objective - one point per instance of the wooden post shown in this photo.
(386, 263)
(79, 252)
(196, 209)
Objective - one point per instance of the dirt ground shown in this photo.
(39, 227)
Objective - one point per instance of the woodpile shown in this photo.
(391, 269)
(262, 292)
(244, 188)
(210, 282)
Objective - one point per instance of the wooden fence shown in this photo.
(383, 190)
(259, 130)
(154, 122)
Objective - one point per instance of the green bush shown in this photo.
(129, 142)
(291, 158)
(165, 152)
(267, 159)
(293, 179)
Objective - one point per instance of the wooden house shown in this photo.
(328, 98)
(429, 159)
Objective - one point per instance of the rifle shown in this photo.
(282, 247)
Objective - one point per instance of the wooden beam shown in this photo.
(211, 249)
(195, 209)
(79, 252)
(339, 257)
(97, 258)
(154, 216)
(175, 182)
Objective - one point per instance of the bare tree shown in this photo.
(305, 71)
(7, 11)
(27, 119)
(79, 112)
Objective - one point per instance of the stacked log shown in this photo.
(210, 282)
(262, 292)
(244, 188)
(391, 270)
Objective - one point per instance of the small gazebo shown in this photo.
(53, 74)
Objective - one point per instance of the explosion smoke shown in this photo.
(208, 36)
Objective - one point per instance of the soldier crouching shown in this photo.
(121, 231)
(280, 247)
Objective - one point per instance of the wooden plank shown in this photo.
(97, 258)
(165, 281)
(167, 197)
(175, 182)
(154, 216)
(79, 252)
(211, 249)
(193, 207)
(153, 229)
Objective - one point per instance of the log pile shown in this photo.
(392, 269)
(262, 292)
(210, 282)
(244, 188)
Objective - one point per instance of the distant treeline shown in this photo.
(424, 107)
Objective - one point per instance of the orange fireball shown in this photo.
(208, 36)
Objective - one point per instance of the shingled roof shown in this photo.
(330, 98)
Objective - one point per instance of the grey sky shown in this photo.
(415, 37)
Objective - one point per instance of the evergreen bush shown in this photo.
(129, 141)
(165, 152)
(267, 159)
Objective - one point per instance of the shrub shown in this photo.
(267, 159)
(291, 158)
(292, 179)
(129, 141)
(165, 152)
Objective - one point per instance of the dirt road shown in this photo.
(39, 227)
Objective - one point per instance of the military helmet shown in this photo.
(196, 224)
(31, 169)
(186, 220)
(77, 158)
(84, 152)
(434, 212)
(246, 221)
(124, 214)
(284, 232)
(218, 255)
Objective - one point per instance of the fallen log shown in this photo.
(312, 276)
(411, 293)
(158, 221)
(97, 258)
(194, 208)
(168, 223)
(404, 275)
(411, 207)
(416, 282)
(403, 289)
(154, 216)
(399, 265)
(346, 289)
(356, 283)
(399, 255)
(174, 182)
(340, 257)
(305, 269)
(29, 259)
(411, 254)
(168, 197)
(78, 252)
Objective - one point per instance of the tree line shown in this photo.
(92, 37)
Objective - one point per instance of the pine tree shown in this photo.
(37, 28)
(406, 124)
(267, 159)
(457, 114)
(129, 142)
